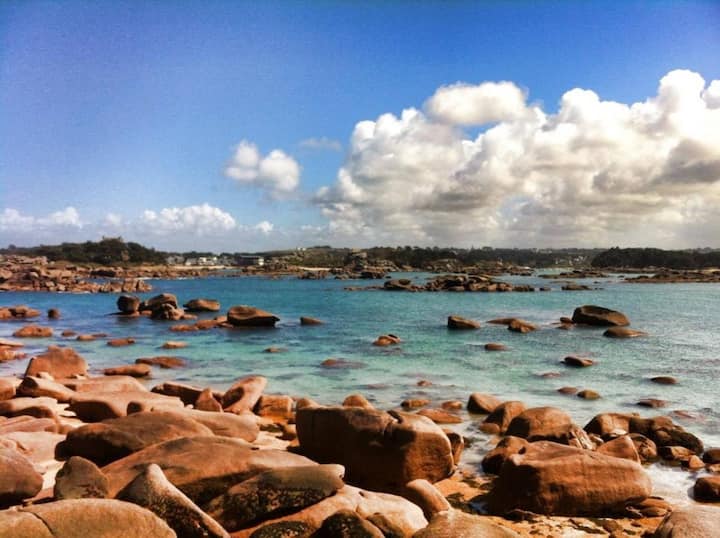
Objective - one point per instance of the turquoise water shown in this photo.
(683, 322)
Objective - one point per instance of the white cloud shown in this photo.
(198, 220)
(277, 172)
(322, 143)
(467, 104)
(595, 172)
(264, 227)
(14, 221)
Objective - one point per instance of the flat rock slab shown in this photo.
(201, 467)
(94, 406)
(112, 439)
(83, 518)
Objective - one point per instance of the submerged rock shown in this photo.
(249, 316)
(598, 315)
(457, 322)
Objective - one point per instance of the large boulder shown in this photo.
(59, 362)
(380, 451)
(33, 331)
(274, 492)
(502, 416)
(244, 426)
(707, 489)
(152, 490)
(157, 301)
(73, 518)
(249, 316)
(542, 424)
(202, 305)
(201, 467)
(693, 521)
(34, 387)
(508, 446)
(664, 432)
(80, 478)
(482, 404)
(18, 478)
(597, 315)
(128, 304)
(112, 439)
(553, 479)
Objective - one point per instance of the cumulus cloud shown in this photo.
(14, 221)
(264, 227)
(322, 143)
(276, 172)
(595, 172)
(199, 220)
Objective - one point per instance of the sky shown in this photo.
(247, 126)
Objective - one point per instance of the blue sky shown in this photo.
(123, 107)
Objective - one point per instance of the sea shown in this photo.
(682, 322)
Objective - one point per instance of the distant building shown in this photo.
(246, 261)
(175, 260)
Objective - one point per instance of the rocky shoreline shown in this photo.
(109, 455)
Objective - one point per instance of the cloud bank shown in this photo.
(596, 172)
(277, 173)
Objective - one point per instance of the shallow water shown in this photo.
(683, 322)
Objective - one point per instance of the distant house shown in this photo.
(175, 260)
(246, 261)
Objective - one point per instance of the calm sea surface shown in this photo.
(683, 322)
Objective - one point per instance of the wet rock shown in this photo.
(622, 332)
(348, 524)
(113, 439)
(707, 489)
(598, 315)
(502, 416)
(385, 340)
(646, 448)
(652, 402)
(508, 446)
(183, 328)
(693, 463)
(53, 313)
(568, 390)
(357, 400)
(664, 432)
(33, 331)
(482, 404)
(128, 304)
(152, 490)
(73, 518)
(201, 467)
(244, 394)
(158, 300)
(457, 322)
(380, 451)
(711, 455)
(494, 346)
(675, 453)
(693, 521)
(664, 380)
(542, 424)
(610, 425)
(202, 305)
(306, 320)
(18, 479)
(174, 345)
(80, 478)
(588, 394)
(132, 370)
(562, 480)
(452, 405)
(521, 326)
(162, 361)
(341, 364)
(58, 362)
(457, 524)
(275, 492)
(580, 362)
(249, 316)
